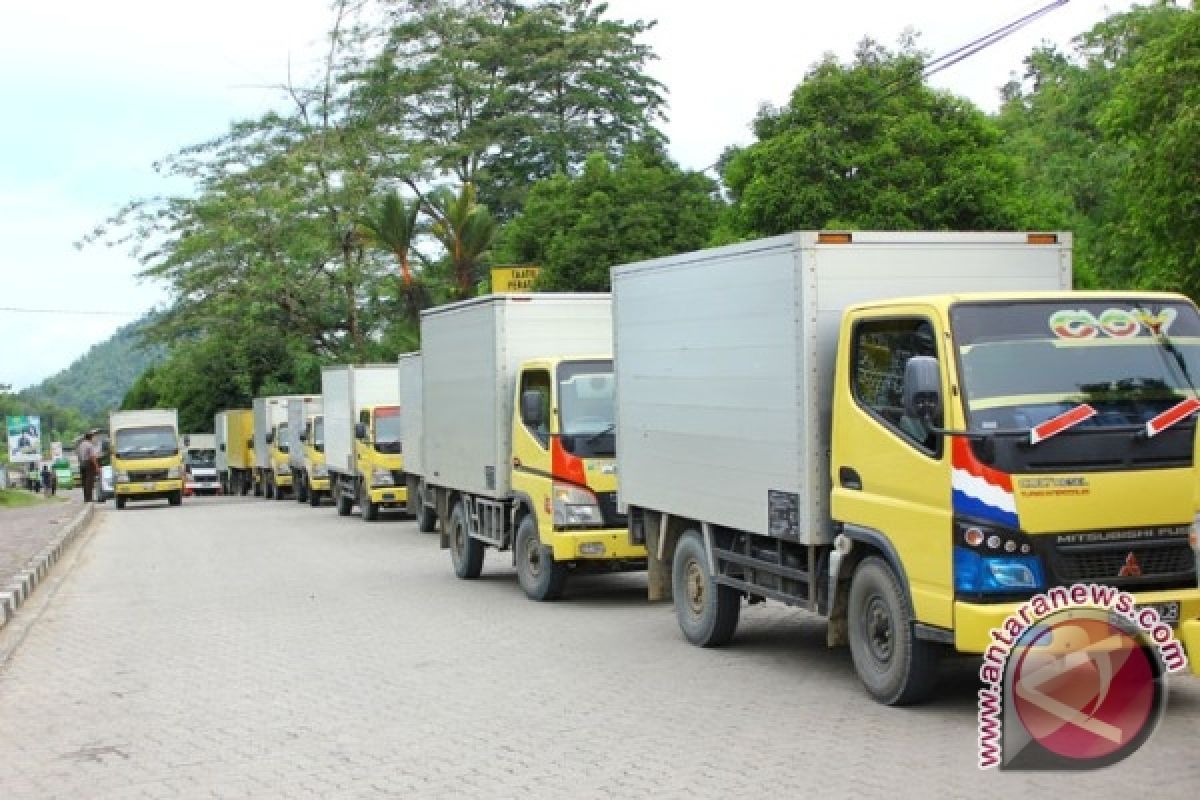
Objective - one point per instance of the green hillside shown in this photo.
(97, 381)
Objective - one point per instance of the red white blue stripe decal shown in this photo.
(979, 491)
(1055, 426)
(1176, 413)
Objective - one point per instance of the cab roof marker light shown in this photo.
(834, 237)
(1041, 238)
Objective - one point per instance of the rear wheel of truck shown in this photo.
(314, 497)
(368, 510)
(707, 612)
(465, 553)
(894, 665)
(539, 574)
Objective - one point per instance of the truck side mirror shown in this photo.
(532, 412)
(360, 431)
(923, 389)
(222, 447)
(270, 437)
(303, 436)
(249, 441)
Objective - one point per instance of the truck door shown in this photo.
(531, 447)
(890, 473)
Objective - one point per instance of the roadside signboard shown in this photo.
(24, 439)
(508, 280)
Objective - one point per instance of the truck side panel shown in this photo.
(338, 391)
(471, 352)
(411, 418)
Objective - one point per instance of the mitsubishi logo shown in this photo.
(1132, 568)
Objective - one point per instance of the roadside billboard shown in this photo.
(24, 439)
(507, 280)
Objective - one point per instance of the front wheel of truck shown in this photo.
(314, 497)
(894, 665)
(539, 574)
(368, 510)
(465, 553)
(301, 487)
(426, 516)
(707, 611)
(345, 503)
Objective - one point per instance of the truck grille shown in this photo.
(1164, 563)
(140, 475)
(608, 510)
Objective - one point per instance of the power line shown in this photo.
(16, 310)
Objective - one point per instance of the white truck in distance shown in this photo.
(200, 464)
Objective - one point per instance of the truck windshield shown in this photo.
(1024, 363)
(205, 458)
(150, 442)
(586, 413)
(387, 429)
(281, 437)
(318, 436)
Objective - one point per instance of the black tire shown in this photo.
(539, 574)
(260, 488)
(120, 503)
(281, 493)
(894, 665)
(707, 612)
(465, 553)
(175, 498)
(314, 497)
(345, 503)
(244, 484)
(368, 510)
(300, 487)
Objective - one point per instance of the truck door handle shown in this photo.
(849, 479)
(516, 463)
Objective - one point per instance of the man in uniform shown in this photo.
(89, 465)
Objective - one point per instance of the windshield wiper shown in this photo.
(1172, 416)
(1060, 423)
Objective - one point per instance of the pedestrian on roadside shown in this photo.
(47, 480)
(35, 484)
(89, 465)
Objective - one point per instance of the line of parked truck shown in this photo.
(905, 433)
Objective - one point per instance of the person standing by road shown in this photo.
(89, 465)
(47, 480)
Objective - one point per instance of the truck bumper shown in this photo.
(607, 544)
(148, 490)
(283, 479)
(973, 622)
(389, 495)
(319, 484)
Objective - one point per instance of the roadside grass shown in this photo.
(19, 498)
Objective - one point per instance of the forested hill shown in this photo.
(97, 381)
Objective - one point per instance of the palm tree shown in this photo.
(466, 229)
(393, 226)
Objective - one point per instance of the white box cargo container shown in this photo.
(299, 409)
(269, 412)
(346, 390)
(148, 418)
(221, 440)
(409, 365)
(724, 359)
(470, 353)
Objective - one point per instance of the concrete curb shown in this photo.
(14, 595)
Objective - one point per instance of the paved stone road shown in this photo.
(24, 531)
(248, 648)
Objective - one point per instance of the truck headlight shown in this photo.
(575, 507)
(381, 477)
(320, 471)
(994, 560)
(174, 473)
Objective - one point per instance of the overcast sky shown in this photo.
(94, 92)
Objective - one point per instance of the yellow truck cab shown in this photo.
(279, 474)
(363, 448)
(509, 427)
(793, 427)
(316, 474)
(146, 461)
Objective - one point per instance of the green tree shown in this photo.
(466, 230)
(575, 229)
(869, 145)
(499, 94)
